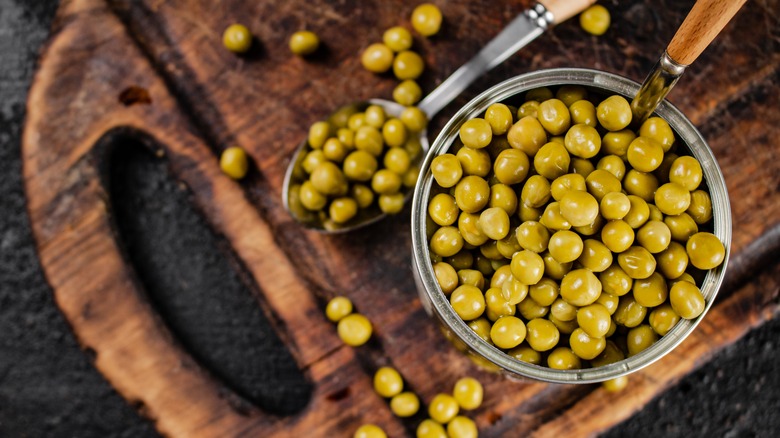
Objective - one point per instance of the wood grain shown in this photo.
(701, 26)
(155, 70)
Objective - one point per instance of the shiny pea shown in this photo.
(462, 427)
(663, 318)
(640, 338)
(354, 329)
(536, 191)
(700, 208)
(561, 185)
(508, 246)
(629, 313)
(430, 429)
(471, 277)
(394, 133)
(237, 38)
(565, 246)
(616, 143)
(476, 133)
(444, 407)
(553, 268)
(580, 287)
(514, 291)
(686, 300)
(392, 203)
(446, 241)
(651, 291)
(328, 179)
(659, 130)
(530, 309)
(397, 160)
(673, 261)
(494, 223)
(304, 43)
(610, 302)
(464, 259)
(525, 353)
(562, 310)
(672, 199)
(655, 213)
(645, 154)
(388, 382)
(601, 182)
(496, 305)
(705, 251)
(654, 236)
(481, 327)
(511, 166)
(472, 193)
(338, 308)
(545, 292)
(369, 139)
(542, 335)
(369, 431)
(377, 58)
(583, 141)
(686, 171)
(415, 121)
(585, 346)
(637, 262)
(583, 112)
(405, 404)
(554, 116)
(426, 19)
(595, 20)
(502, 196)
(582, 166)
(640, 184)
(468, 392)
(564, 327)
(528, 109)
(526, 213)
(614, 165)
(552, 160)
(614, 206)
(569, 94)
(563, 358)
(614, 113)
(385, 182)
(447, 170)
(595, 255)
(527, 135)
(579, 208)
(508, 332)
(446, 277)
(343, 209)
(527, 267)
(407, 93)
(610, 355)
(682, 226)
(408, 65)
(533, 236)
(469, 229)
(474, 161)
(397, 39)
(234, 162)
(499, 117)
(334, 150)
(615, 281)
(639, 212)
(468, 302)
(311, 198)
(312, 160)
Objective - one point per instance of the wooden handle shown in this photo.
(562, 10)
(703, 23)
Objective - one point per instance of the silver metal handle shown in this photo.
(521, 31)
(654, 89)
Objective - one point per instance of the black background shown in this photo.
(48, 386)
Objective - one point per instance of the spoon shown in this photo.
(702, 24)
(520, 31)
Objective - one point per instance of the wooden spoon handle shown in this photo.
(562, 10)
(703, 23)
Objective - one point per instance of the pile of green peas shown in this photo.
(358, 160)
(566, 239)
(443, 411)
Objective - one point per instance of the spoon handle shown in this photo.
(705, 21)
(701, 26)
(521, 31)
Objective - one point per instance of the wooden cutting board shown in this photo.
(155, 71)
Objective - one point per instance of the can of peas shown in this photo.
(555, 241)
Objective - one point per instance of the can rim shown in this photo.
(437, 303)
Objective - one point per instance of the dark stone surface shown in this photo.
(48, 387)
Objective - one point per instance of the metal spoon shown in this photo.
(705, 21)
(521, 31)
